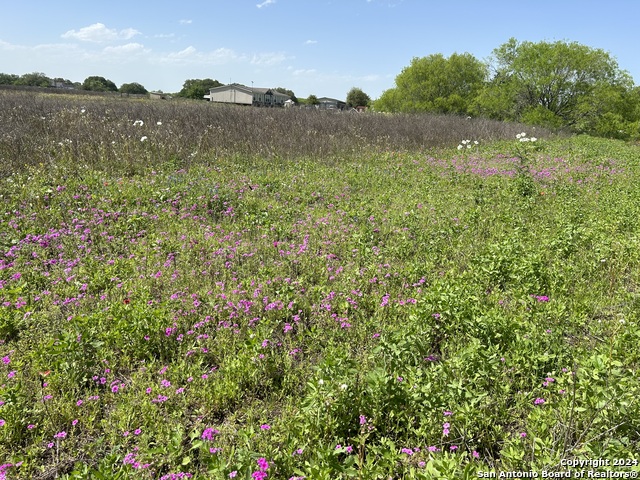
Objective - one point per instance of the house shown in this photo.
(158, 96)
(242, 95)
(61, 84)
(331, 104)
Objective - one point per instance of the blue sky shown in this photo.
(319, 47)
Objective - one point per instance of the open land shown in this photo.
(198, 291)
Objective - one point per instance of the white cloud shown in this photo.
(132, 61)
(268, 58)
(187, 52)
(265, 3)
(99, 33)
(192, 56)
(128, 49)
(370, 78)
(304, 72)
(310, 42)
(7, 46)
(220, 56)
(185, 22)
(43, 53)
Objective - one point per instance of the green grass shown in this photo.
(479, 307)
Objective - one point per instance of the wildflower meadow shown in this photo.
(206, 292)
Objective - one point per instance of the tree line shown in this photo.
(195, 88)
(559, 85)
(92, 83)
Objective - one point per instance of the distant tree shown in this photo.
(287, 92)
(62, 82)
(312, 100)
(35, 79)
(357, 98)
(436, 84)
(8, 79)
(197, 88)
(133, 89)
(559, 84)
(389, 101)
(99, 84)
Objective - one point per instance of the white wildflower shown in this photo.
(138, 123)
(143, 139)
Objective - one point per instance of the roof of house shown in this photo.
(244, 88)
(327, 99)
(231, 86)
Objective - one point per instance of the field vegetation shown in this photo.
(200, 291)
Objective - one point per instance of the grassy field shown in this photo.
(192, 291)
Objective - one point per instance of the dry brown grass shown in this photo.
(100, 132)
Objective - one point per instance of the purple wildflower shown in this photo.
(209, 433)
(263, 464)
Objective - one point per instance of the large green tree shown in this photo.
(197, 88)
(133, 89)
(557, 84)
(99, 84)
(619, 115)
(8, 79)
(35, 79)
(357, 98)
(436, 84)
(287, 92)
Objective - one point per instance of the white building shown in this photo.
(331, 104)
(243, 95)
